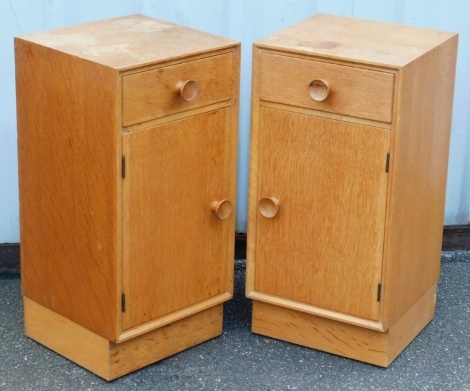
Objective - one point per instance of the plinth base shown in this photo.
(371, 346)
(111, 360)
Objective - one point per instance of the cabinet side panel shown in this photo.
(233, 152)
(68, 162)
(253, 180)
(419, 171)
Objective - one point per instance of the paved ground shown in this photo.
(438, 359)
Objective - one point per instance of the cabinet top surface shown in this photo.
(129, 41)
(356, 40)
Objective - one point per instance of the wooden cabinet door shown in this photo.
(176, 252)
(324, 246)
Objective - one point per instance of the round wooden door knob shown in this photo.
(188, 90)
(268, 207)
(222, 209)
(318, 90)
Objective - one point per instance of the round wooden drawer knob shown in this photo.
(318, 90)
(268, 207)
(222, 209)
(188, 90)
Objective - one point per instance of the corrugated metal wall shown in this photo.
(246, 21)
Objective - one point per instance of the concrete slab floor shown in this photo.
(438, 359)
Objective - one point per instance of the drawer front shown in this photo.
(327, 87)
(160, 92)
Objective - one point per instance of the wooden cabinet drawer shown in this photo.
(156, 93)
(357, 92)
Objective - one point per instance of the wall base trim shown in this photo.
(456, 237)
(10, 259)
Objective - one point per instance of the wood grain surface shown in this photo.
(68, 177)
(109, 360)
(420, 150)
(80, 217)
(361, 196)
(354, 91)
(176, 251)
(130, 41)
(354, 40)
(374, 347)
(154, 93)
(330, 180)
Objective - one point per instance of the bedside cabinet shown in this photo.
(127, 135)
(349, 148)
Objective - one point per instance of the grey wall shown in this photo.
(246, 21)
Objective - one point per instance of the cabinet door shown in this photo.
(324, 246)
(176, 252)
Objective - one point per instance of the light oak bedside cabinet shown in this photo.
(127, 135)
(349, 148)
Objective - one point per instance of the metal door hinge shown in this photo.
(379, 292)
(123, 167)
(387, 163)
(123, 302)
